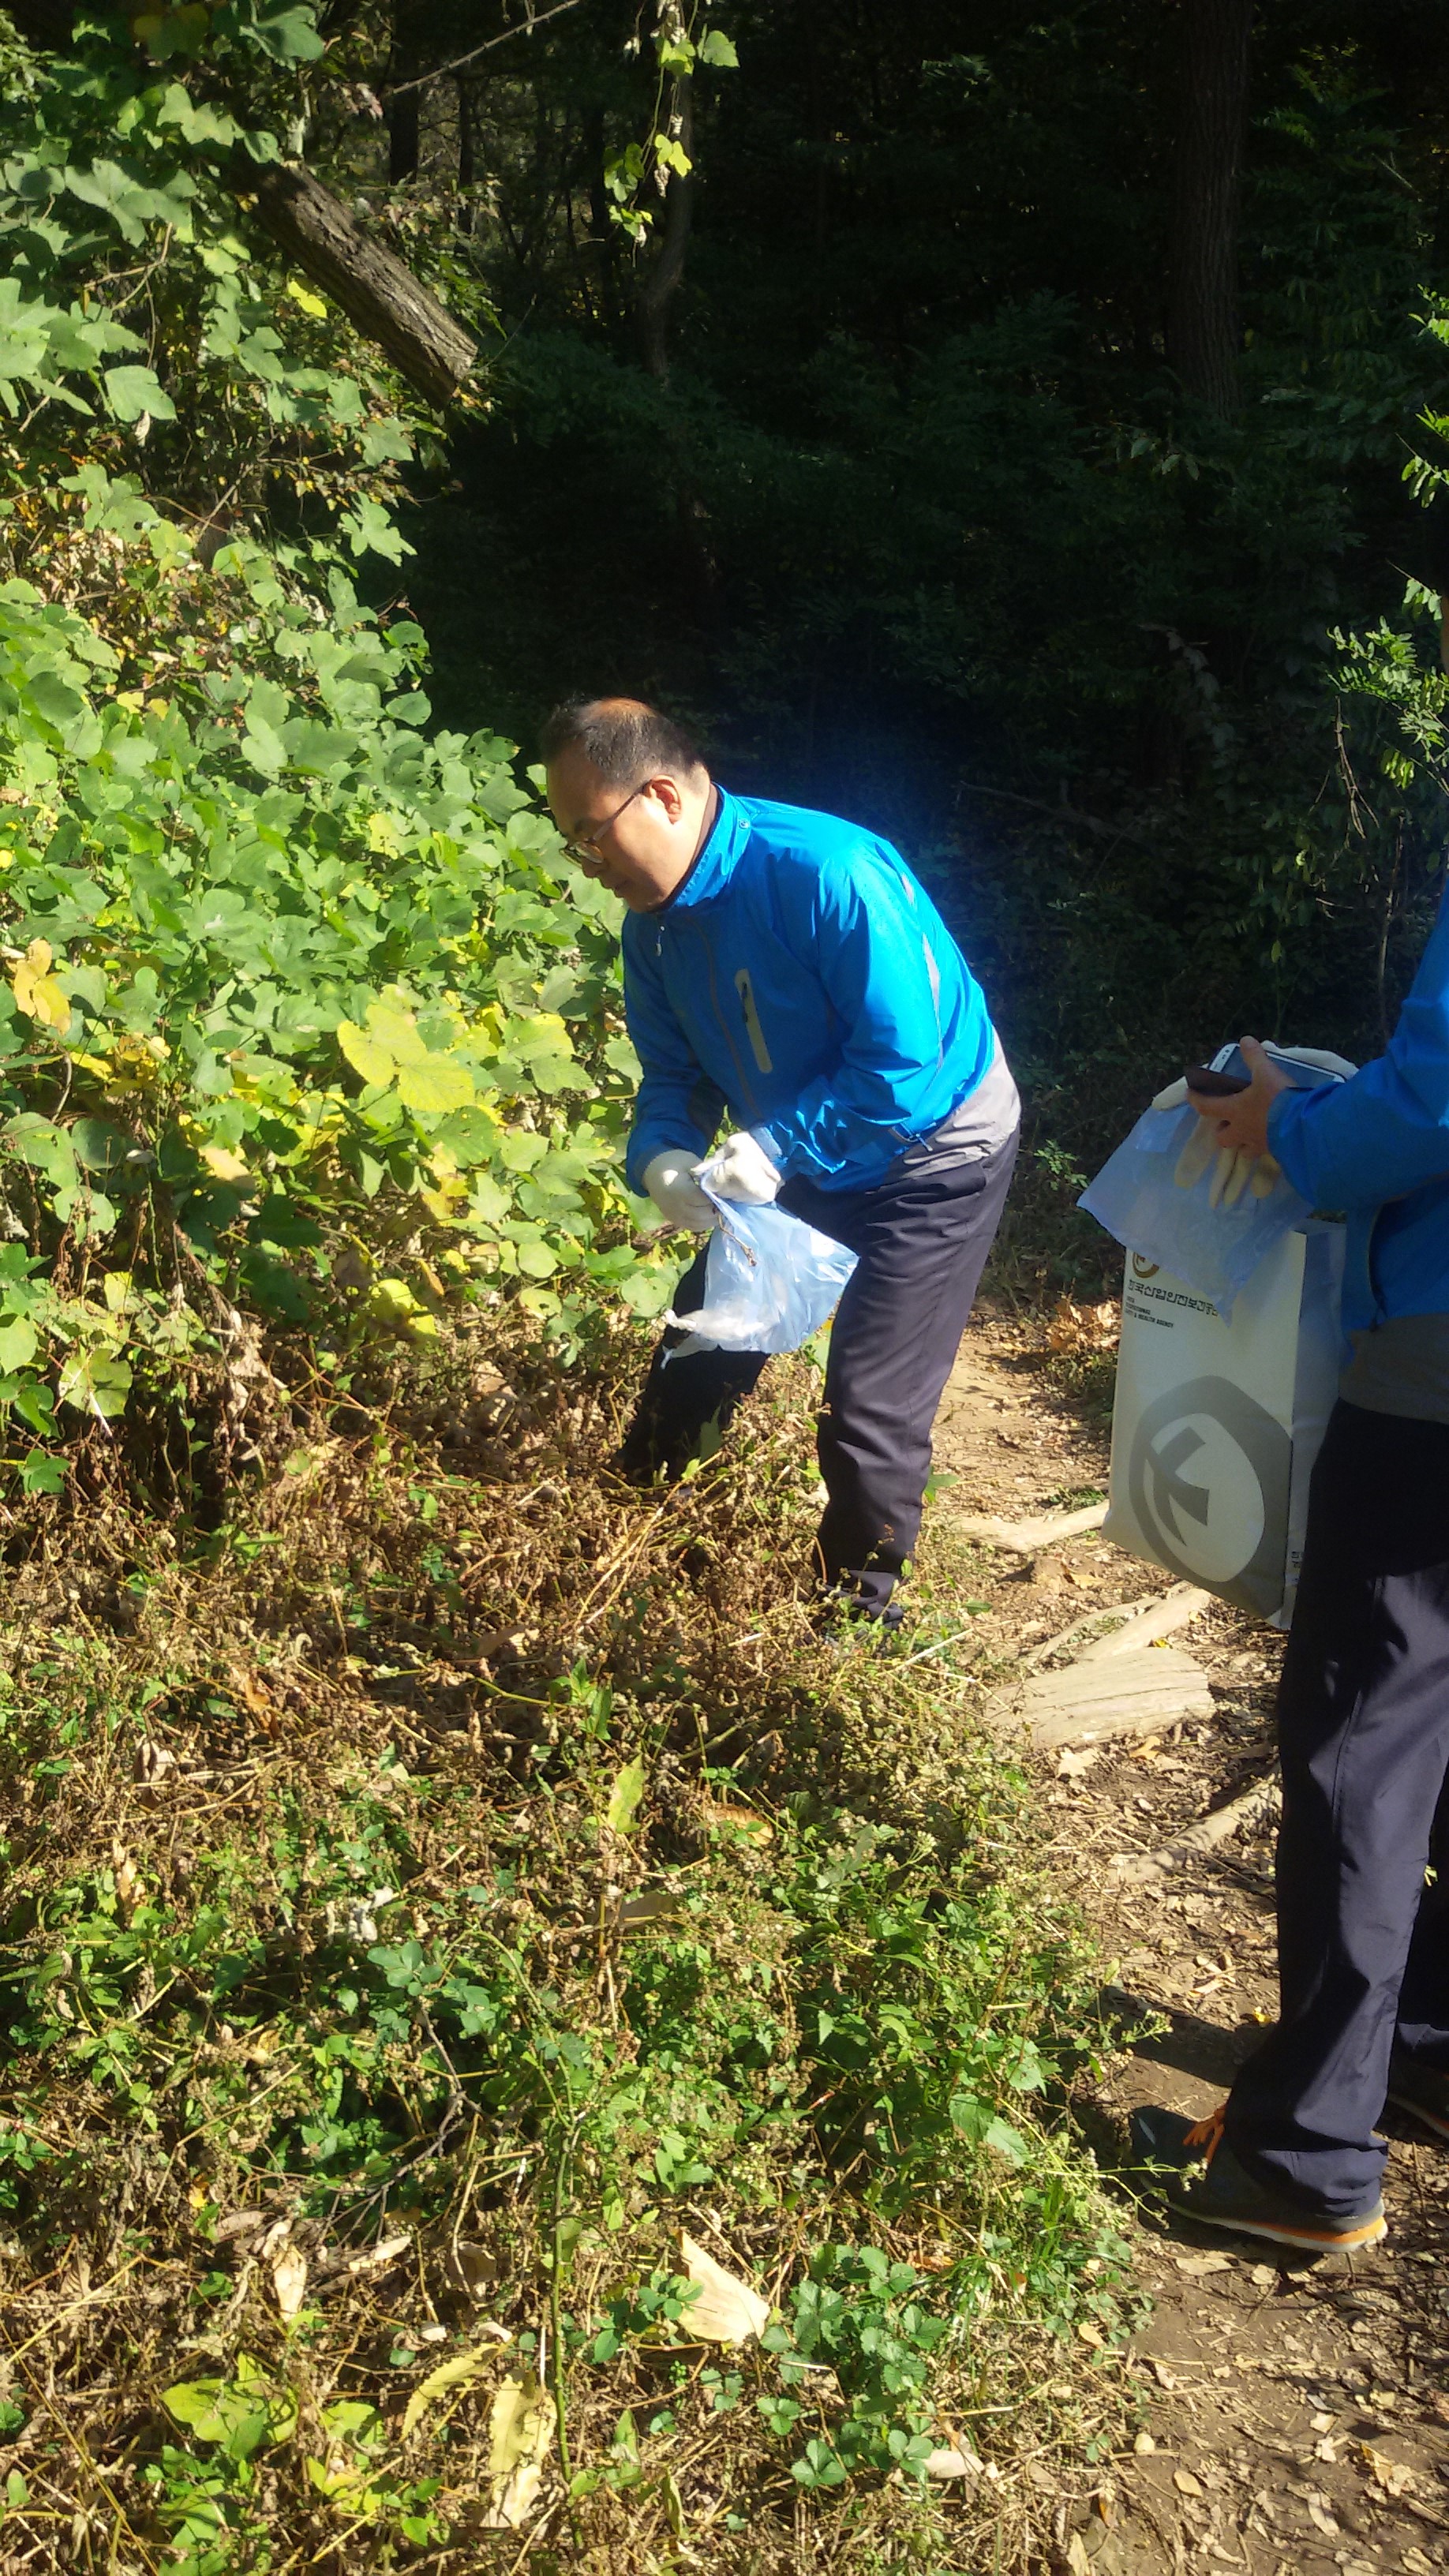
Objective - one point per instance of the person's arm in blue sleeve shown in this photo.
(677, 1105)
(1385, 1132)
(903, 1009)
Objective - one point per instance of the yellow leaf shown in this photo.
(624, 1798)
(224, 1165)
(289, 2278)
(727, 2309)
(309, 302)
(520, 2437)
(718, 1811)
(434, 1085)
(37, 993)
(449, 2374)
(1392, 2475)
(365, 1053)
(396, 1029)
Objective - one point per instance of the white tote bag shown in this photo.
(1216, 1424)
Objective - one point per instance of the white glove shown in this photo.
(1232, 1172)
(741, 1170)
(670, 1182)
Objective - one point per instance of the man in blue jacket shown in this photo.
(786, 968)
(1363, 1712)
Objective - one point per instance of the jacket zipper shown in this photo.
(746, 1087)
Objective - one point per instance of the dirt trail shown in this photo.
(1297, 2412)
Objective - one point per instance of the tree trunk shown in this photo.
(1203, 337)
(404, 111)
(388, 304)
(666, 276)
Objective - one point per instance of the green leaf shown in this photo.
(98, 1146)
(289, 36)
(1008, 2142)
(95, 1382)
(239, 2414)
(624, 1797)
(19, 1343)
(132, 390)
(39, 1142)
(717, 50)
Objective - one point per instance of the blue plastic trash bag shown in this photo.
(770, 1280)
(1157, 1195)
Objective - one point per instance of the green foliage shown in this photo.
(291, 978)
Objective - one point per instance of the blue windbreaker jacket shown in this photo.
(803, 978)
(1377, 1148)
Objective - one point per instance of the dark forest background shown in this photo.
(1018, 426)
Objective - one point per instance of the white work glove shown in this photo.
(741, 1170)
(670, 1182)
(1232, 1172)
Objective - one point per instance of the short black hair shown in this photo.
(624, 739)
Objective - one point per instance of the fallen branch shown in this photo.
(1136, 1868)
(1224, 1822)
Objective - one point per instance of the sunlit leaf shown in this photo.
(624, 1797)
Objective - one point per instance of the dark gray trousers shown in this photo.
(921, 1238)
(1363, 1718)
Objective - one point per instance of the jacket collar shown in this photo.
(719, 858)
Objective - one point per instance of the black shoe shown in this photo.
(1210, 2185)
(1421, 2090)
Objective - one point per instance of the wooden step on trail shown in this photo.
(1139, 1623)
(1028, 1538)
(1138, 1691)
(1157, 1617)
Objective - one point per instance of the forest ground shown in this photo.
(1294, 2414)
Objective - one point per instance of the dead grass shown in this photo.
(386, 1707)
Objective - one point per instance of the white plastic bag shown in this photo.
(1217, 1423)
(1216, 1247)
(770, 1280)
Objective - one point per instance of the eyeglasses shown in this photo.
(585, 845)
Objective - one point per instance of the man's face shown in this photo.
(640, 844)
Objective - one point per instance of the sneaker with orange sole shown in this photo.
(1206, 2182)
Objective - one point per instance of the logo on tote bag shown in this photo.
(1208, 1480)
